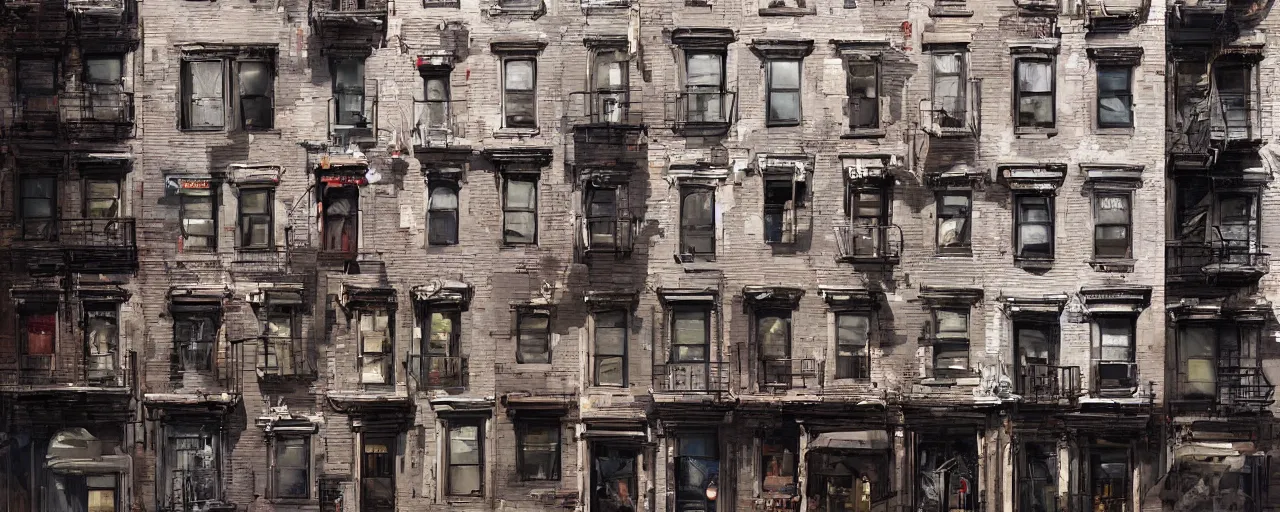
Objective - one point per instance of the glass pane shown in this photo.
(102, 500)
(771, 332)
(1034, 209)
(206, 79)
(1035, 76)
(946, 94)
(690, 328)
(1112, 79)
(1113, 233)
(1115, 333)
(444, 198)
(609, 72)
(291, 452)
(696, 209)
(464, 480)
(784, 74)
(103, 70)
(535, 323)
(255, 78)
(519, 75)
(862, 79)
(704, 69)
(106, 189)
(1113, 111)
(1113, 210)
(521, 194)
(197, 227)
(292, 482)
(609, 371)
(464, 444)
(257, 112)
(1033, 346)
(852, 329)
(610, 340)
(1033, 236)
(37, 76)
(520, 227)
(952, 322)
(197, 207)
(349, 75)
(373, 371)
(955, 204)
(437, 89)
(253, 201)
(784, 106)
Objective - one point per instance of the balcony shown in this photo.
(437, 372)
(711, 377)
(1244, 390)
(1224, 262)
(358, 122)
(435, 124)
(282, 359)
(703, 114)
(869, 244)
(782, 374)
(954, 116)
(38, 373)
(35, 117)
(104, 21)
(1118, 379)
(608, 235)
(614, 110)
(1046, 384)
(99, 245)
(102, 116)
(345, 16)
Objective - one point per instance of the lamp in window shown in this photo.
(713, 490)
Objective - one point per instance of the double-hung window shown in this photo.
(279, 328)
(1235, 82)
(104, 89)
(955, 208)
(782, 102)
(853, 354)
(773, 340)
(1115, 96)
(256, 85)
(205, 98)
(520, 209)
(697, 222)
(291, 468)
(951, 341)
(465, 457)
(434, 120)
(376, 342)
(610, 355)
(949, 86)
(442, 213)
(38, 331)
(864, 99)
(348, 92)
(1112, 219)
(102, 198)
(102, 339)
(1034, 230)
(519, 93)
(1115, 354)
(538, 450)
(255, 222)
(533, 336)
(197, 208)
(193, 340)
(39, 204)
(784, 195)
(704, 87)
(1034, 92)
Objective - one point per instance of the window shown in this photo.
(704, 88)
(697, 222)
(538, 450)
(853, 357)
(102, 198)
(783, 93)
(1109, 478)
(519, 94)
(604, 229)
(104, 88)
(465, 457)
(1115, 97)
(613, 478)
(773, 340)
(196, 208)
(101, 493)
(256, 84)
(442, 213)
(437, 95)
(868, 206)
(1111, 236)
(609, 82)
(375, 347)
(256, 212)
(946, 465)
(442, 348)
(1197, 362)
(1220, 362)
(1034, 233)
(954, 210)
(520, 209)
(779, 461)
(697, 472)
(292, 469)
(949, 87)
(864, 99)
(533, 337)
(691, 335)
(39, 205)
(341, 205)
(1038, 476)
(193, 340)
(38, 328)
(783, 195)
(951, 341)
(102, 339)
(204, 102)
(279, 328)
(37, 87)
(1234, 82)
(1115, 353)
(611, 348)
(349, 93)
(193, 465)
(1034, 93)
(103, 69)
(378, 472)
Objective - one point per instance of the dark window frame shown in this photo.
(799, 192)
(244, 98)
(388, 346)
(684, 500)
(448, 218)
(1099, 248)
(201, 433)
(513, 96)
(1244, 90)
(507, 209)
(613, 198)
(54, 207)
(84, 67)
(697, 230)
(446, 103)
(962, 88)
(695, 92)
(964, 245)
(1125, 95)
(942, 340)
(847, 367)
(271, 313)
(1019, 222)
(708, 344)
(214, 205)
(451, 426)
(355, 92)
(525, 428)
(91, 310)
(245, 221)
(25, 315)
(279, 443)
(1026, 479)
(187, 112)
(859, 101)
(771, 89)
(186, 351)
(598, 356)
(1019, 94)
(529, 334)
(350, 221)
(87, 199)
(1129, 324)
(24, 90)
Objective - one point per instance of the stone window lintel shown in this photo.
(782, 48)
(1044, 177)
(1116, 55)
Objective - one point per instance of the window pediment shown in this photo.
(1254, 311)
(784, 164)
(279, 295)
(254, 174)
(454, 293)
(1048, 304)
(868, 166)
(607, 42)
(782, 48)
(354, 297)
(1032, 177)
(607, 300)
(102, 293)
(944, 296)
(513, 48)
(435, 63)
(860, 48)
(197, 299)
(702, 37)
(520, 159)
(850, 299)
(772, 296)
(1034, 48)
(697, 172)
(1116, 299)
(1113, 176)
(694, 296)
(1116, 55)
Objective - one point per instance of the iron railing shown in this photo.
(588, 109)
(783, 373)
(1194, 261)
(111, 370)
(704, 113)
(869, 244)
(438, 372)
(705, 377)
(365, 129)
(1244, 389)
(97, 233)
(284, 358)
(84, 107)
(1047, 383)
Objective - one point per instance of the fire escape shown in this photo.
(605, 150)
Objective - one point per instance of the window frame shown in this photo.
(351, 221)
(962, 87)
(1125, 95)
(84, 67)
(1019, 222)
(213, 323)
(176, 431)
(966, 246)
(271, 347)
(512, 96)
(708, 344)
(456, 424)
(1098, 225)
(277, 444)
(245, 220)
(954, 343)
(687, 190)
(242, 115)
(862, 100)
(388, 346)
(187, 110)
(525, 428)
(770, 90)
(693, 92)
(591, 193)
(1019, 94)
(214, 207)
(597, 354)
(89, 311)
(507, 209)
(359, 92)
(450, 237)
(91, 487)
(799, 193)
(23, 90)
(443, 78)
(524, 335)
(1129, 323)
(1247, 90)
(25, 314)
(54, 207)
(87, 197)
(852, 366)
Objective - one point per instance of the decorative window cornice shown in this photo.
(1112, 176)
(1034, 48)
(444, 292)
(942, 296)
(860, 48)
(671, 296)
(1048, 304)
(846, 299)
(703, 37)
(354, 297)
(519, 159)
(772, 296)
(512, 48)
(614, 42)
(782, 48)
(1116, 55)
(1032, 176)
(1116, 299)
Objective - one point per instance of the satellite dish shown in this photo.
(372, 176)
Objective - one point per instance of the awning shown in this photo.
(858, 440)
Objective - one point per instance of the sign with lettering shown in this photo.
(193, 184)
(343, 180)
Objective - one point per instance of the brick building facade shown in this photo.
(680, 255)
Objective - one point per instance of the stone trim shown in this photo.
(703, 37)
(782, 48)
(935, 296)
(1045, 177)
(1116, 55)
(1048, 304)
(513, 48)
(608, 300)
(354, 297)
(688, 295)
(1044, 49)
(840, 298)
(454, 293)
(772, 296)
(519, 159)
(608, 41)
(1112, 176)
(1116, 299)
(873, 49)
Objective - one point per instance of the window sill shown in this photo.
(1128, 131)
(697, 3)
(1113, 264)
(203, 130)
(463, 499)
(198, 255)
(864, 133)
(264, 131)
(955, 253)
(787, 11)
(516, 133)
(952, 133)
(950, 12)
(513, 245)
(1033, 263)
(1035, 133)
(291, 501)
(446, 5)
(534, 11)
(781, 124)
